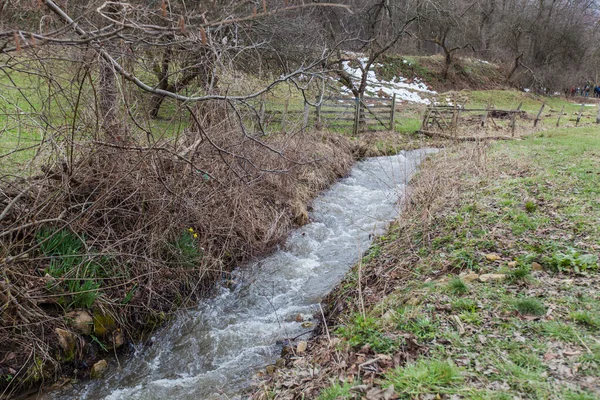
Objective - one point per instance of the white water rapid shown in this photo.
(213, 351)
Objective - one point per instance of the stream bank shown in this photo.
(212, 352)
(486, 288)
(129, 307)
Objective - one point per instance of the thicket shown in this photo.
(129, 232)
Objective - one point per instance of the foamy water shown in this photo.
(214, 351)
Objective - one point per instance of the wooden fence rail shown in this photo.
(447, 121)
(368, 113)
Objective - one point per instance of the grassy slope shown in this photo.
(529, 210)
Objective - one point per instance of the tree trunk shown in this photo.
(514, 68)
(447, 64)
(162, 74)
(108, 96)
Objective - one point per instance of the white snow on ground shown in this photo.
(399, 86)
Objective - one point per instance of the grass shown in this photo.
(458, 287)
(535, 205)
(434, 376)
(338, 391)
(585, 318)
(361, 331)
(414, 321)
(530, 306)
(522, 273)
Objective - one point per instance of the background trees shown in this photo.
(178, 44)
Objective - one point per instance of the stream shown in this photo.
(213, 352)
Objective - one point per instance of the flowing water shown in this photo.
(213, 351)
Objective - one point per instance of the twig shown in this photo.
(325, 323)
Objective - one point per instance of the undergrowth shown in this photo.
(127, 237)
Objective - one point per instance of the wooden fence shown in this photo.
(368, 113)
(451, 121)
(458, 122)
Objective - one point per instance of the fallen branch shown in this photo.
(464, 138)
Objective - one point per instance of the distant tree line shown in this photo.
(164, 46)
(550, 44)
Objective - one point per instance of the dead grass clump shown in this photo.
(129, 234)
(436, 188)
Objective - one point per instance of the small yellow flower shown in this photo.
(191, 230)
(195, 236)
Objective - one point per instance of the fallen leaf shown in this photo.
(302, 346)
(492, 257)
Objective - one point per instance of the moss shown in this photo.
(103, 323)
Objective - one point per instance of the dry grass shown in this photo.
(159, 224)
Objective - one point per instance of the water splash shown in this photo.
(212, 352)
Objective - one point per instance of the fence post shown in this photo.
(261, 112)
(284, 116)
(485, 116)
(539, 115)
(562, 110)
(424, 123)
(318, 102)
(393, 114)
(460, 108)
(454, 123)
(305, 118)
(356, 117)
(513, 122)
(579, 115)
(598, 115)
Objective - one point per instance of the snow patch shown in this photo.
(404, 89)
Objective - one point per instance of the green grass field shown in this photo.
(533, 332)
(496, 295)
